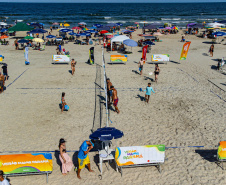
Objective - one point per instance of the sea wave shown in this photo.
(170, 19)
(107, 17)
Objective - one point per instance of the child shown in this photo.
(148, 92)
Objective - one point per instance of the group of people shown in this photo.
(83, 158)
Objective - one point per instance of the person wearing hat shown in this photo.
(3, 181)
(83, 158)
(65, 159)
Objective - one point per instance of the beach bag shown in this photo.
(66, 107)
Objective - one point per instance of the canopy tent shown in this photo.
(38, 31)
(150, 27)
(21, 27)
(119, 38)
(197, 26)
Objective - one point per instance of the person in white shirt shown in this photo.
(2, 180)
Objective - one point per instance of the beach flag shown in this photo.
(184, 51)
(26, 54)
(144, 52)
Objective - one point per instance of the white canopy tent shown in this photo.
(119, 38)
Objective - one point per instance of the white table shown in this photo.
(110, 156)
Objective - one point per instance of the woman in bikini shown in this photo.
(157, 71)
(140, 65)
(73, 63)
(65, 159)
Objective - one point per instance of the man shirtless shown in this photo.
(115, 99)
(109, 91)
(2, 82)
(73, 63)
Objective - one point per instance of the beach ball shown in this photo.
(150, 73)
(66, 107)
(140, 89)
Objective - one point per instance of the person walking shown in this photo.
(73, 63)
(5, 71)
(211, 50)
(148, 90)
(157, 71)
(2, 82)
(140, 65)
(83, 158)
(65, 159)
(115, 99)
(63, 102)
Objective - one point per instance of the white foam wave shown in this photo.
(116, 21)
(107, 17)
(170, 19)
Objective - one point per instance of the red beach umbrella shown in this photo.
(76, 28)
(104, 31)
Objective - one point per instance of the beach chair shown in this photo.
(221, 153)
(134, 156)
(118, 59)
(26, 164)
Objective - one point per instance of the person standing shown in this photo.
(157, 71)
(73, 63)
(140, 65)
(16, 44)
(63, 102)
(5, 71)
(211, 50)
(3, 181)
(109, 91)
(148, 92)
(64, 158)
(115, 99)
(83, 158)
(2, 82)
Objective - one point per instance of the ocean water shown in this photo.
(125, 13)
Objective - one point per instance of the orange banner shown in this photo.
(184, 51)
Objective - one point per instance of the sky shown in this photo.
(116, 1)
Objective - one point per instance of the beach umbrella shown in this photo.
(176, 28)
(130, 42)
(71, 33)
(88, 31)
(106, 134)
(21, 27)
(77, 35)
(66, 25)
(4, 30)
(3, 24)
(76, 28)
(82, 23)
(28, 37)
(93, 31)
(4, 37)
(119, 24)
(23, 41)
(55, 23)
(222, 22)
(151, 27)
(38, 31)
(219, 33)
(38, 40)
(35, 24)
(110, 36)
(214, 25)
(93, 28)
(104, 28)
(85, 29)
(103, 31)
(65, 30)
(50, 36)
(167, 28)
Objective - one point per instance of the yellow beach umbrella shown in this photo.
(37, 40)
(61, 24)
(66, 24)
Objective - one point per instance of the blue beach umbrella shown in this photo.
(119, 24)
(219, 33)
(65, 30)
(98, 25)
(38, 31)
(88, 31)
(106, 134)
(3, 30)
(104, 28)
(50, 36)
(77, 35)
(130, 42)
(93, 31)
(71, 33)
(93, 28)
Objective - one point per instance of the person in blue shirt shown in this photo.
(83, 158)
(148, 90)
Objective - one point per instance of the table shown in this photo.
(110, 156)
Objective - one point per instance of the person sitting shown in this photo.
(182, 38)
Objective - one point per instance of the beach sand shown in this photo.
(184, 111)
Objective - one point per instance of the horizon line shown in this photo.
(115, 2)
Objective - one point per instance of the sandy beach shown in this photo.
(185, 111)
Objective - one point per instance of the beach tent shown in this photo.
(197, 26)
(21, 27)
(119, 38)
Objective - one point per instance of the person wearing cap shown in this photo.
(3, 181)
(83, 158)
(65, 159)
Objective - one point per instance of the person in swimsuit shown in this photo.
(211, 50)
(63, 103)
(109, 91)
(5, 71)
(73, 63)
(115, 99)
(65, 159)
(2, 82)
(148, 92)
(140, 65)
(16, 44)
(157, 71)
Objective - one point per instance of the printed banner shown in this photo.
(144, 52)
(184, 51)
(118, 58)
(24, 163)
(61, 58)
(26, 54)
(140, 155)
(222, 150)
(160, 58)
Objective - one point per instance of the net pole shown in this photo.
(105, 86)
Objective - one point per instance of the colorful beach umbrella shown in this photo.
(175, 28)
(66, 25)
(85, 29)
(4, 37)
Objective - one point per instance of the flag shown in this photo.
(184, 51)
(144, 52)
(26, 54)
